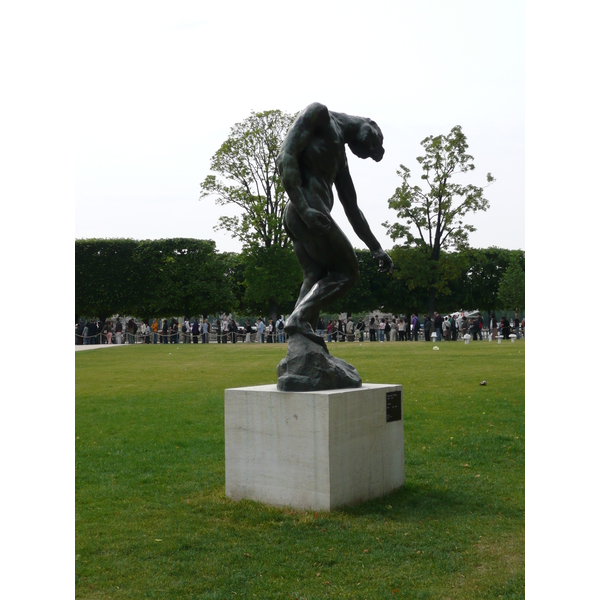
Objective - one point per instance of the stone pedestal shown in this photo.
(313, 450)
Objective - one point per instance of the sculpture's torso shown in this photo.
(320, 162)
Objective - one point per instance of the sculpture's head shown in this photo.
(368, 142)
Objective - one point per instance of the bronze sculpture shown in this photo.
(311, 161)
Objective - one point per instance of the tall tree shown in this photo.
(433, 219)
(249, 180)
(246, 162)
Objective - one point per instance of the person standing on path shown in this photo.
(195, 331)
(108, 332)
(260, 331)
(164, 338)
(360, 327)
(205, 331)
(505, 325)
(493, 326)
(415, 327)
(281, 335)
(427, 327)
(119, 331)
(233, 328)
(382, 330)
(453, 329)
(393, 331)
(437, 323)
(445, 329)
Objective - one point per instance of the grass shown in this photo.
(152, 519)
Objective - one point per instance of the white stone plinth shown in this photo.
(311, 450)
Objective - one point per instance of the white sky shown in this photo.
(131, 99)
(158, 89)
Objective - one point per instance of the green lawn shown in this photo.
(152, 519)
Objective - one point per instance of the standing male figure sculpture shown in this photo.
(312, 160)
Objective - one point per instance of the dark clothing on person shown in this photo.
(342, 330)
(195, 331)
(360, 327)
(372, 330)
(437, 323)
(453, 329)
(505, 328)
(92, 331)
(493, 327)
(321, 324)
(415, 329)
(79, 338)
(131, 328)
(427, 329)
(473, 327)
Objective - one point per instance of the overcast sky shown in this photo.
(147, 92)
(158, 90)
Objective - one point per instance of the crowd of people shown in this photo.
(400, 329)
(190, 331)
(226, 330)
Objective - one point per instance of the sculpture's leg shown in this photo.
(330, 269)
(313, 273)
(323, 293)
(326, 288)
(307, 323)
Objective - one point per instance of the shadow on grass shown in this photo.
(414, 501)
(411, 502)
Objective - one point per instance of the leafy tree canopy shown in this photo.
(101, 268)
(246, 164)
(511, 290)
(419, 274)
(433, 219)
(272, 280)
(177, 277)
(183, 277)
(438, 212)
(151, 278)
(485, 268)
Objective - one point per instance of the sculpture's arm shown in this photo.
(298, 137)
(347, 195)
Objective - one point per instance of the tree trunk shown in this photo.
(433, 277)
(431, 301)
(273, 310)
